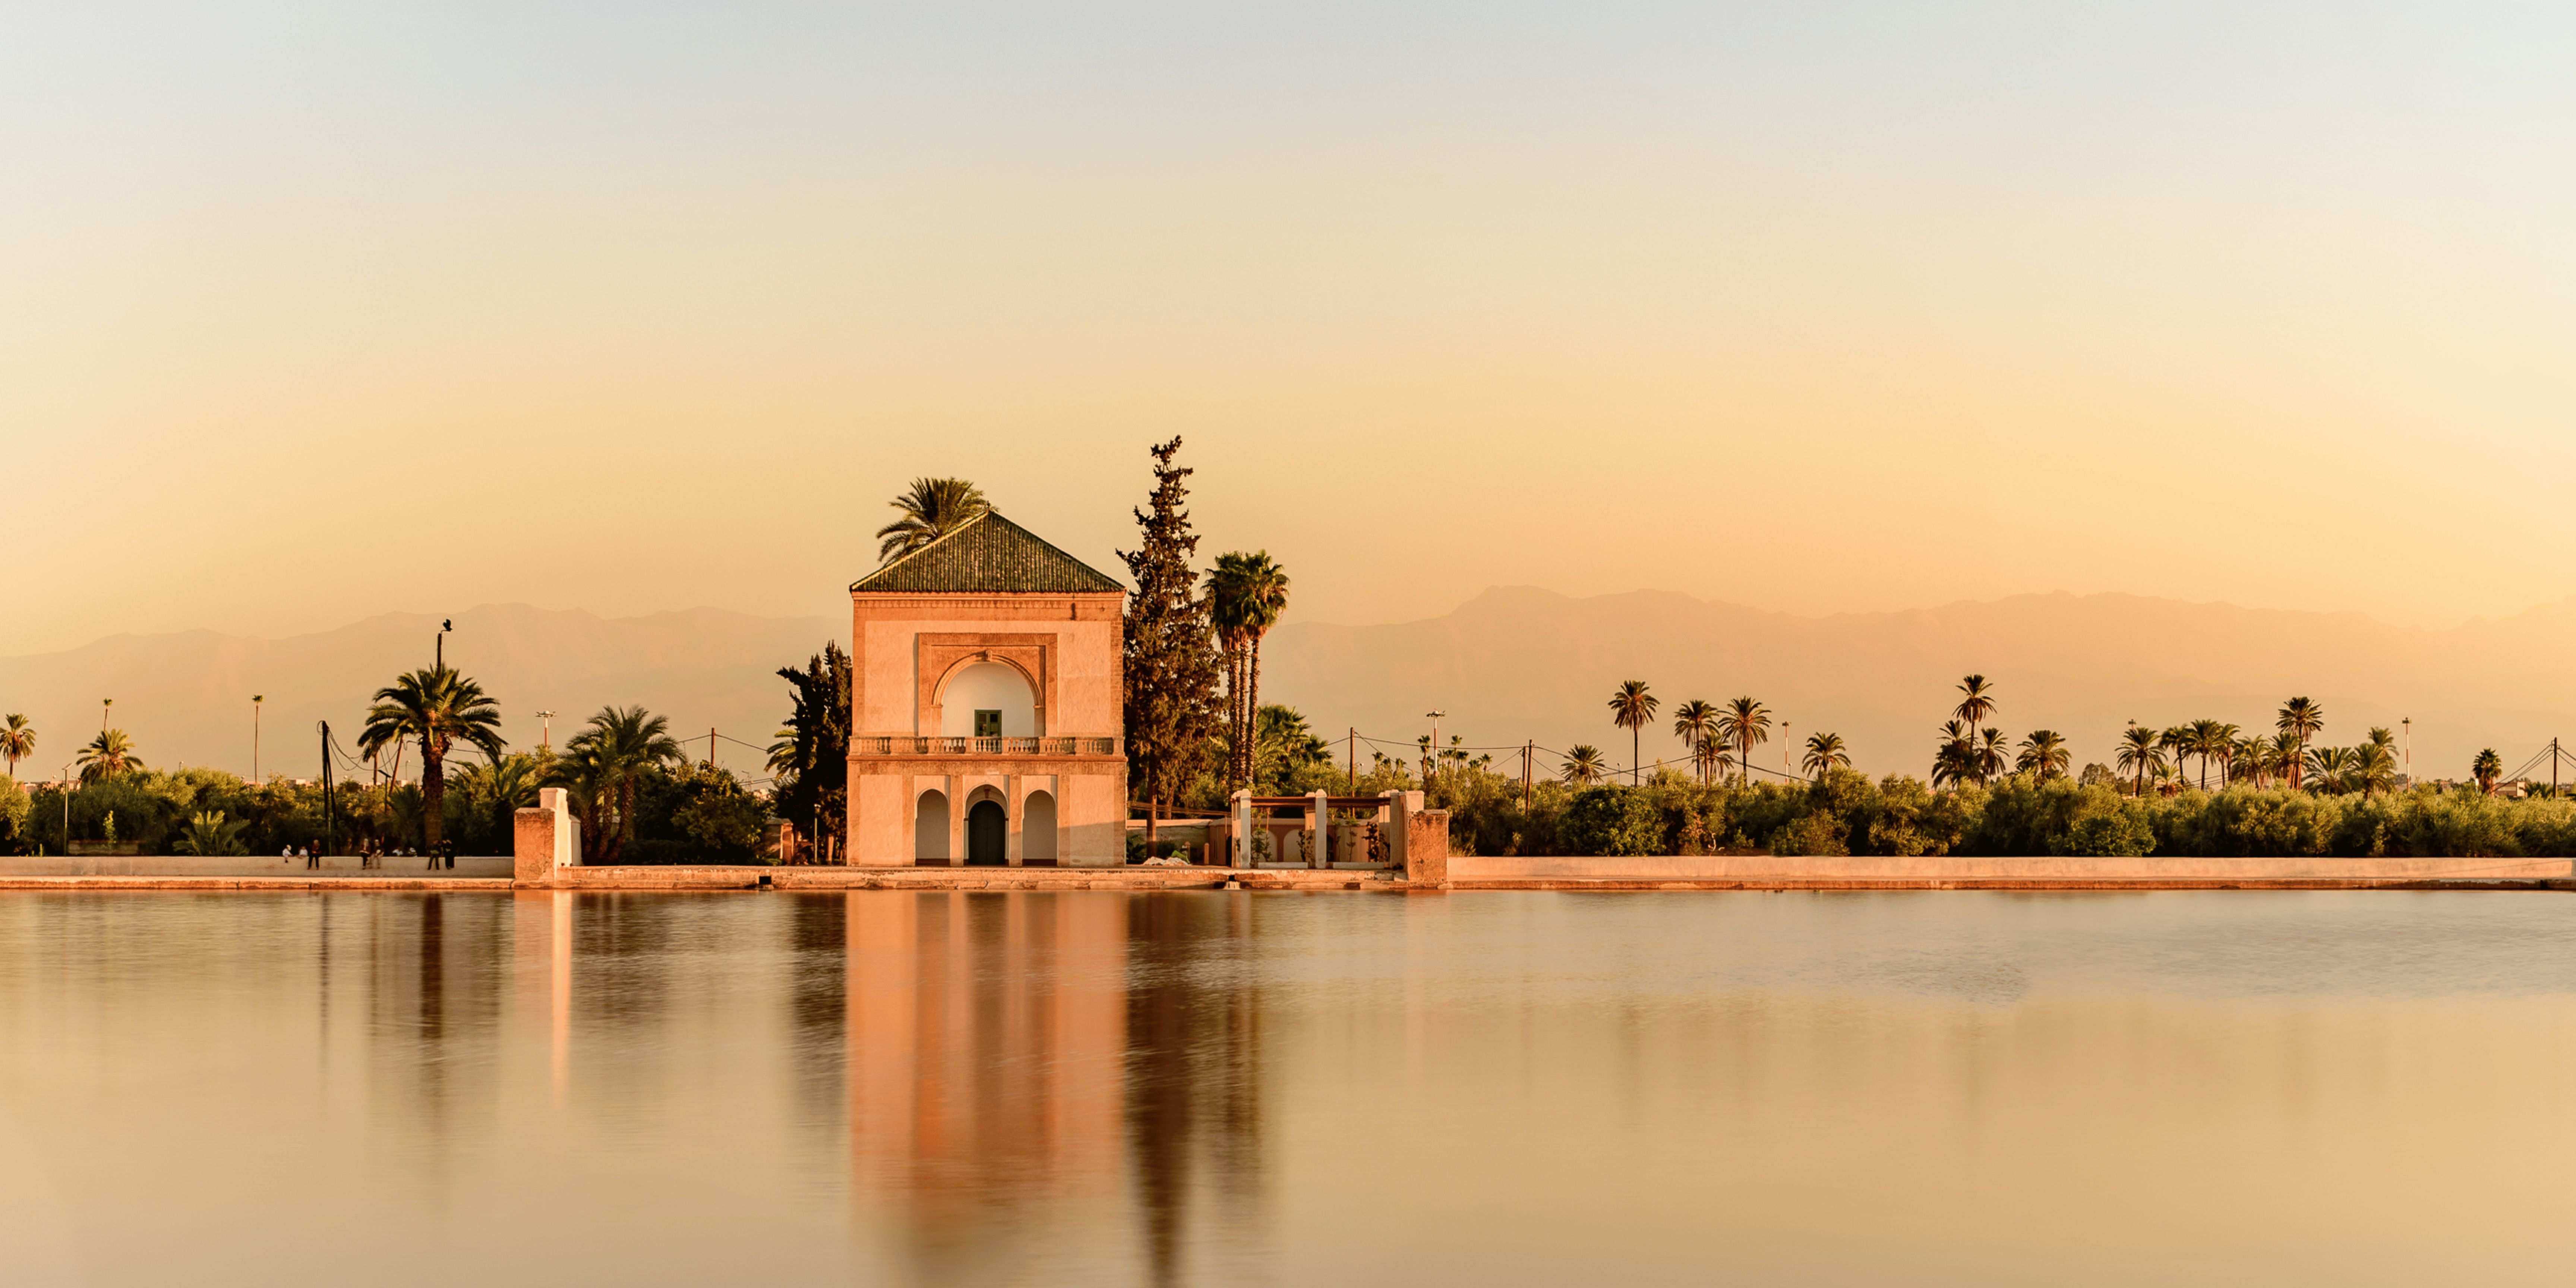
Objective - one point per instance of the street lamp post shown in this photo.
(67, 808)
(1434, 766)
(445, 625)
(105, 705)
(255, 700)
(546, 741)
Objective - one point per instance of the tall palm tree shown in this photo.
(17, 741)
(1712, 758)
(1630, 708)
(605, 762)
(2301, 719)
(2327, 769)
(1228, 617)
(1693, 722)
(2176, 743)
(931, 509)
(2487, 768)
(1259, 587)
(1977, 701)
(1954, 761)
(1992, 753)
(2224, 740)
(439, 708)
(109, 755)
(1583, 765)
(1824, 751)
(2284, 753)
(2208, 739)
(2138, 751)
(2044, 753)
(1744, 722)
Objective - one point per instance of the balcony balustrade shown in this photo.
(874, 744)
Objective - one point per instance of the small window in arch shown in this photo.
(988, 724)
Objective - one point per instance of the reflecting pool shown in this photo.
(1282, 1088)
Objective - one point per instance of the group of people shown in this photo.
(370, 858)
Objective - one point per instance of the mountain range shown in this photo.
(1513, 664)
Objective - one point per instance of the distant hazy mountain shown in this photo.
(1519, 663)
(185, 698)
(1511, 664)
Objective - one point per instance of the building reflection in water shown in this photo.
(997, 1041)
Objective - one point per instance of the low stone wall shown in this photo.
(193, 865)
(1771, 869)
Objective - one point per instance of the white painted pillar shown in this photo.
(1319, 831)
(1243, 829)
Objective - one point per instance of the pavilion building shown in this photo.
(986, 706)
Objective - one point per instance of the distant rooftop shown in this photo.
(988, 555)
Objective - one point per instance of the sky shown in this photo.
(313, 311)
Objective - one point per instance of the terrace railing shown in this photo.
(869, 744)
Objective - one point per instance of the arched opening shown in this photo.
(988, 700)
(988, 835)
(1037, 829)
(930, 828)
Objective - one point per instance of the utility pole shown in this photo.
(255, 700)
(67, 805)
(2409, 724)
(1351, 755)
(2553, 769)
(1433, 761)
(1528, 750)
(711, 746)
(1785, 740)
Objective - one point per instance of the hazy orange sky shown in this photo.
(308, 313)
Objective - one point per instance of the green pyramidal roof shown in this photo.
(989, 555)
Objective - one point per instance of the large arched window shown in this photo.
(930, 828)
(997, 693)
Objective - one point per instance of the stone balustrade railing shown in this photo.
(871, 744)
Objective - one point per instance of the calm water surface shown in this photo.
(1223, 1088)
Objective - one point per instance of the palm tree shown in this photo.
(604, 762)
(1976, 703)
(2204, 737)
(2249, 757)
(1259, 588)
(1955, 760)
(2285, 754)
(2487, 768)
(1693, 722)
(440, 708)
(207, 833)
(1712, 758)
(1227, 616)
(2138, 752)
(2044, 753)
(1744, 722)
(1630, 708)
(1824, 751)
(2372, 767)
(2301, 719)
(2176, 742)
(17, 741)
(2222, 744)
(932, 509)
(1583, 765)
(2325, 769)
(109, 755)
(1990, 756)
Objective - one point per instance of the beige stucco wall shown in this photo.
(1070, 641)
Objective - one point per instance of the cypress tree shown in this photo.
(1170, 653)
